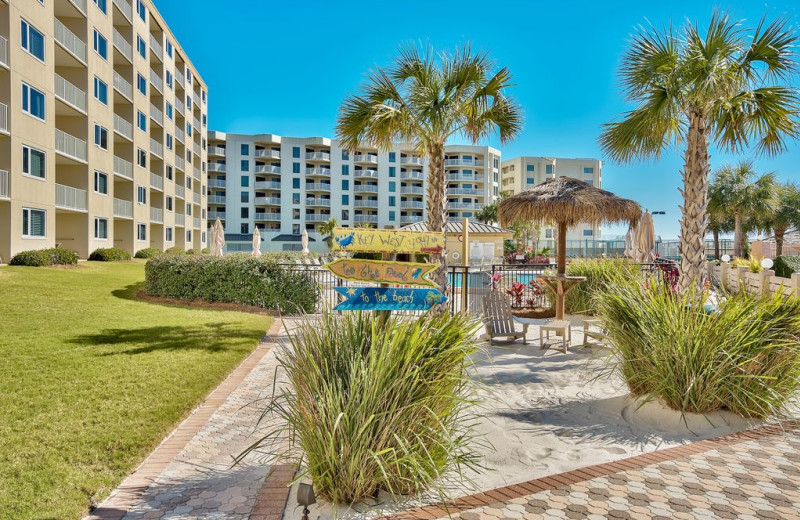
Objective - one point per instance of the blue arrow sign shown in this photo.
(388, 299)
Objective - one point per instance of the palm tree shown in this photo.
(719, 219)
(326, 230)
(747, 196)
(729, 86)
(487, 214)
(425, 99)
(786, 215)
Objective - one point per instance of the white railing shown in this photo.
(413, 204)
(68, 197)
(70, 94)
(196, 174)
(410, 219)
(318, 186)
(123, 167)
(122, 45)
(197, 149)
(217, 199)
(3, 117)
(217, 183)
(417, 190)
(157, 82)
(157, 215)
(318, 156)
(80, 5)
(365, 188)
(156, 114)
(267, 201)
(180, 191)
(465, 178)
(156, 148)
(196, 222)
(179, 78)
(70, 145)
(464, 205)
(216, 167)
(156, 181)
(123, 127)
(179, 106)
(316, 217)
(366, 157)
(411, 160)
(264, 154)
(365, 218)
(218, 150)
(318, 171)
(196, 98)
(157, 48)
(180, 163)
(180, 220)
(366, 173)
(214, 215)
(196, 123)
(179, 134)
(3, 51)
(261, 168)
(125, 7)
(419, 176)
(268, 216)
(366, 203)
(464, 191)
(733, 278)
(464, 162)
(70, 42)
(196, 198)
(4, 184)
(267, 185)
(317, 202)
(123, 86)
(123, 208)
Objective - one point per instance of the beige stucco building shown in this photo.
(102, 129)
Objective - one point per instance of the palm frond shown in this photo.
(649, 61)
(772, 47)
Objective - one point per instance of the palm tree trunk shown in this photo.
(779, 241)
(437, 210)
(695, 202)
(716, 244)
(737, 235)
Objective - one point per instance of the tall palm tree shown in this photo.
(729, 86)
(747, 196)
(326, 230)
(425, 99)
(786, 215)
(719, 219)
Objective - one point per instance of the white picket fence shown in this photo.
(732, 277)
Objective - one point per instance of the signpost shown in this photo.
(381, 271)
(388, 299)
(368, 240)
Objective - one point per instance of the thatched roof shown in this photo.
(567, 200)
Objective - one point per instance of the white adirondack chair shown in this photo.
(499, 321)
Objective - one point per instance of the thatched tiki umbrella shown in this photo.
(567, 202)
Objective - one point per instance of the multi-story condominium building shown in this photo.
(102, 129)
(521, 173)
(283, 185)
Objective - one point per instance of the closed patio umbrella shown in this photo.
(304, 242)
(256, 243)
(629, 243)
(646, 238)
(219, 238)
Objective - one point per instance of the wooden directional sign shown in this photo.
(386, 241)
(388, 299)
(379, 271)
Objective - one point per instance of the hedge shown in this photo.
(148, 252)
(45, 257)
(110, 254)
(241, 279)
(785, 265)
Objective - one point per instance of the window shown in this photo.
(33, 162)
(168, 79)
(141, 9)
(345, 184)
(345, 169)
(245, 212)
(529, 167)
(141, 121)
(100, 45)
(296, 167)
(32, 101)
(168, 46)
(295, 198)
(392, 156)
(141, 231)
(101, 182)
(245, 196)
(588, 232)
(245, 228)
(245, 165)
(188, 132)
(296, 215)
(392, 186)
(588, 170)
(188, 76)
(169, 172)
(296, 183)
(296, 229)
(189, 209)
(245, 149)
(548, 233)
(189, 182)
(141, 47)
(33, 222)
(345, 199)
(548, 169)
(391, 215)
(32, 40)
(392, 171)
(168, 234)
(205, 123)
(169, 141)
(590, 182)
(296, 152)
(245, 181)
(141, 195)
(101, 4)
(101, 136)
(101, 228)
(345, 214)
(345, 155)
(141, 84)
(392, 200)
(100, 90)
(141, 158)
(169, 110)
(203, 95)
(530, 180)
(188, 235)
(169, 203)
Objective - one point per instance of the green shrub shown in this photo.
(175, 251)
(45, 257)
(785, 265)
(191, 252)
(375, 405)
(599, 273)
(241, 279)
(110, 254)
(744, 356)
(205, 251)
(752, 264)
(148, 252)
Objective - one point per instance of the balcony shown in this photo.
(412, 205)
(196, 174)
(214, 215)
(197, 150)
(80, 5)
(157, 115)
(316, 217)
(263, 168)
(70, 198)
(123, 208)
(415, 190)
(219, 151)
(414, 176)
(318, 202)
(123, 127)
(467, 163)
(366, 158)
(318, 156)
(464, 205)
(157, 215)
(3, 52)
(70, 94)
(156, 148)
(267, 185)
(366, 174)
(4, 118)
(156, 48)
(264, 154)
(125, 8)
(179, 104)
(267, 201)
(196, 98)
(180, 220)
(463, 191)
(412, 160)
(372, 219)
(465, 178)
(365, 188)
(69, 41)
(180, 163)
(196, 222)
(122, 45)
(365, 203)
(320, 172)
(156, 81)
(196, 124)
(216, 167)
(122, 86)
(70, 146)
(216, 199)
(411, 219)
(318, 186)
(179, 135)
(156, 181)
(270, 216)
(179, 78)
(4, 192)
(123, 168)
(196, 197)
(180, 191)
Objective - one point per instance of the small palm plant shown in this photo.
(326, 230)
(729, 86)
(786, 215)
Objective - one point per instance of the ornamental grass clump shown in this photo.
(599, 273)
(375, 405)
(743, 356)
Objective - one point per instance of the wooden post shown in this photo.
(796, 284)
(465, 262)
(723, 275)
(710, 271)
(741, 276)
(561, 260)
(764, 279)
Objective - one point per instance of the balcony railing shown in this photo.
(180, 163)
(318, 156)
(196, 197)
(3, 51)
(214, 215)
(262, 168)
(267, 201)
(125, 8)
(412, 204)
(180, 220)
(268, 216)
(367, 158)
(267, 185)
(180, 191)
(373, 174)
(70, 145)
(4, 184)
(69, 41)
(217, 183)
(123, 86)
(318, 186)
(80, 5)
(410, 219)
(196, 174)
(123, 127)
(122, 45)
(156, 181)
(197, 149)
(465, 178)
(196, 123)
(265, 154)
(196, 98)
(316, 217)
(157, 115)
(464, 205)
(123, 167)
(179, 134)
(418, 176)
(157, 82)
(366, 218)
(3, 117)
(157, 48)
(179, 104)
(219, 151)
(70, 94)
(464, 162)
(157, 215)
(123, 208)
(179, 78)
(412, 160)
(464, 191)
(319, 171)
(156, 148)
(416, 190)
(216, 199)
(318, 202)
(365, 188)
(365, 203)
(68, 197)
(196, 222)
(217, 167)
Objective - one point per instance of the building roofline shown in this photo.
(175, 41)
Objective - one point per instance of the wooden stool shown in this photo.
(588, 322)
(562, 328)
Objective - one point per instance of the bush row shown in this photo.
(45, 257)
(241, 279)
(600, 274)
(785, 265)
(110, 254)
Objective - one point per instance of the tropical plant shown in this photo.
(729, 86)
(720, 220)
(487, 214)
(787, 265)
(600, 274)
(374, 406)
(747, 196)
(147, 252)
(425, 99)
(517, 293)
(109, 254)
(752, 264)
(326, 230)
(742, 356)
(45, 257)
(785, 216)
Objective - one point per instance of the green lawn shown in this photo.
(91, 379)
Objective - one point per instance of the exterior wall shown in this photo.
(67, 134)
(362, 188)
(521, 173)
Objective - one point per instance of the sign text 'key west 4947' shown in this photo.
(367, 240)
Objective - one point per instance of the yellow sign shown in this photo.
(387, 241)
(380, 271)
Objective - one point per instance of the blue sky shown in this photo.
(285, 67)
